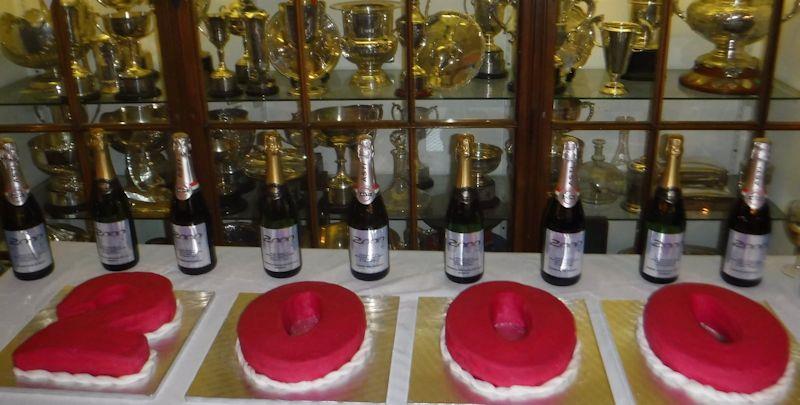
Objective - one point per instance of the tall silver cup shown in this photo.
(260, 82)
(618, 38)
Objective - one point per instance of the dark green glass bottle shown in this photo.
(191, 221)
(280, 239)
(665, 222)
(464, 247)
(564, 224)
(367, 220)
(23, 222)
(113, 223)
(749, 224)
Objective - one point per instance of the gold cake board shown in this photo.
(193, 304)
(431, 381)
(221, 375)
(622, 316)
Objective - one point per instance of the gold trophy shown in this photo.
(222, 81)
(489, 14)
(730, 25)
(322, 44)
(260, 82)
(108, 63)
(419, 77)
(618, 38)
(650, 14)
(453, 51)
(229, 147)
(29, 41)
(338, 190)
(575, 38)
(128, 27)
(81, 31)
(369, 40)
(235, 14)
(146, 167)
(485, 159)
(57, 155)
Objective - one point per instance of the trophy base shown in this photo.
(614, 89)
(487, 198)
(232, 204)
(313, 90)
(424, 180)
(242, 73)
(223, 87)
(494, 66)
(717, 81)
(87, 87)
(420, 83)
(370, 80)
(109, 87)
(65, 211)
(261, 89)
(642, 66)
(632, 207)
(137, 88)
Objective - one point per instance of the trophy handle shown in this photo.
(399, 109)
(646, 31)
(435, 109)
(590, 7)
(594, 25)
(676, 7)
(792, 13)
(590, 106)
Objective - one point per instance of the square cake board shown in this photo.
(431, 381)
(221, 377)
(193, 304)
(622, 316)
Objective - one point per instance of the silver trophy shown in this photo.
(489, 14)
(229, 147)
(108, 63)
(222, 81)
(80, 31)
(136, 81)
(618, 38)
(424, 180)
(57, 155)
(260, 82)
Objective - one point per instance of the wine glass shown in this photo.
(793, 229)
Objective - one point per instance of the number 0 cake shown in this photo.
(508, 341)
(103, 332)
(303, 336)
(715, 345)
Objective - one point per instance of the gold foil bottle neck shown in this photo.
(673, 151)
(272, 149)
(103, 169)
(464, 147)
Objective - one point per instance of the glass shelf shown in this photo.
(338, 88)
(18, 93)
(588, 82)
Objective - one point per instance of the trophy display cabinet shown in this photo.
(521, 75)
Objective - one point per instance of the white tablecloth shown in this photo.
(412, 274)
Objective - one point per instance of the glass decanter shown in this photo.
(397, 195)
(600, 181)
(622, 158)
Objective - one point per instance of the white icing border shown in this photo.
(168, 328)
(703, 393)
(87, 380)
(491, 392)
(333, 378)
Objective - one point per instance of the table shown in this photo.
(413, 274)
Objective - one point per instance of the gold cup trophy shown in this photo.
(485, 159)
(57, 155)
(730, 25)
(29, 41)
(490, 14)
(419, 77)
(369, 40)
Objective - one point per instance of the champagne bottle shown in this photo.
(749, 223)
(191, 224)
(280, 241)
(23, 222)
(113, 222)
(665, 221)
(367, 220)
(564, 223)
(463, 254)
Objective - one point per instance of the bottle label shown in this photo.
(662, 256)
(114, 242)
(280, 248)
(563, 253)
(191, 245)
(29, 249)
(463, 254)
(745, 255)
(369, 250)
